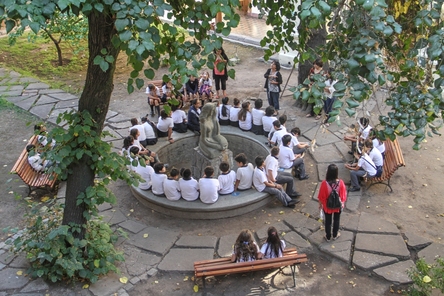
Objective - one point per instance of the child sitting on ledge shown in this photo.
(209, 186)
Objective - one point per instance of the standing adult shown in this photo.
(220, 74)
(273, 81)
(332, 182)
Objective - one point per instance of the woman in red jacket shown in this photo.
(332, 182)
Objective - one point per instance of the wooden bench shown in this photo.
(224, 266)
(393, 160)
(31, 177)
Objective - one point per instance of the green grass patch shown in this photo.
(38, 59)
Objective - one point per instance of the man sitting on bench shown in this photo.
(364, 168)
(35, 160)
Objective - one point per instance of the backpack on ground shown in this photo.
(334, 201)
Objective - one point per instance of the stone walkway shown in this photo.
(367, 241)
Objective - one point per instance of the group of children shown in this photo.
(246, 249)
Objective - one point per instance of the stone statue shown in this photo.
(211, 143)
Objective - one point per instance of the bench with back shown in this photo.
(393, 160)
(224, 266)
(31, 177)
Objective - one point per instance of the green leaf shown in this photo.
(304, 14)
(121, 24)
(142, 24)
(104, 65)
(231, 73)
(140, 83)
(315, 12)
(324, 7)
(352, 103)
(368, 4)
(381, 80)
(350, 112)
(149, 73)
(10, 24)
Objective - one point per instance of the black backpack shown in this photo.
(334, 201)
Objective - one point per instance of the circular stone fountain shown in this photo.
(181, 153)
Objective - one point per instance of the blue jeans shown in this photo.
(273, 99)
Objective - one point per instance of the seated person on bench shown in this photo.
(35, 160)
(245, 248)
(364, 168)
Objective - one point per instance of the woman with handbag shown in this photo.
(332, 182)
(273, 81)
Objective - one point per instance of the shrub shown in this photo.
(426, 277)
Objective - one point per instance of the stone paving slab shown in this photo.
(316, 192)
(35, 285)
(340, 248)
(415, 241)
(115, 136)
(20, 262)
(7, 257)
(293, 239)
(67, 104)
(323, 136)
(113, 216)
(374, 224)
(119, 118)
(183, 259)
(119, 125)
(431, 252)
(343, 148)
(262, 233)
(37, 85)
(311, 207)
(10, 280)
(343, 173)
(44, 99)
(27, 80)
(63, 96)
(111, 114)
(352, 203)
(349, 221)
(368, 261)
(196, 241)
(296, 220)
(138, 262)
(327, 154)
(107, 285)
(158, 241)
(104, 207)
(391, 245)
(50, 91)
(396, 272)
(226, 244)
(42, 111)
(133, 226)
(26, 103)
(11, 93)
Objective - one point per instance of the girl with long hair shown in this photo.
(245, 248)
(224, 112)
(274, 246)
(245, 118)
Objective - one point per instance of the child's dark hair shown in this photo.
(364, 121)
(186, 174)
(30, 148)
(244, 246)
(258, 104)
(128, 141)
(174, 107)
(133, 132)
(163, 114)
(242, 158)
(332, 173)
(224, 107)
(134, 150)
(319, 62)
(274, 242)
(242, 115)
(174, 172)
(269, 111)
(236, 101)
(134, 121)
(286, 139)
(259, 161)
(274, 151)
(158, 167)
(208, 171)
(283, 119)
(296, 131)
(224, 166)
(277, 123)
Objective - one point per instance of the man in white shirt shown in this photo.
(244, 174)
(262, 184)
(157, 179)
(298, 147)
(188, 186)
(145, 172)
(208, 186)
(287, 159)
(150, 132)
(364, 167)
(171, 186)
(279, 132)
(274, 176)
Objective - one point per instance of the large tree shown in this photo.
(393, 44)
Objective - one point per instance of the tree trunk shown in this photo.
(95, 99)
(318, 37)
(59, 54)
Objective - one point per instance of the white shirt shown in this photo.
(157, 183)
(294, 142)
(164, 124)
(149, 131)
(220, 112)
(278, 134)
(145, 173)
(36, 162)
(329, 84)
(271, 164)
(259, 179)
(208, 190)
(380, 147)
(141, 129)
(226, 182)
(368, 166)
(179, 116)
(208, 81)
(233, 114)
(365, 132)
(376, 156)
(286, 157)
(257, 116)
(268, 253)
(156, 91)
(247, 123)
(43, 140)
(189, 189)
(245, 176)
(171, 188)
(267, 122)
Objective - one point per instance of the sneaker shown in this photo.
(296, 194)
(293, 202)
(304, 177)
(328, 240)
(354, 189)
(337, 236)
